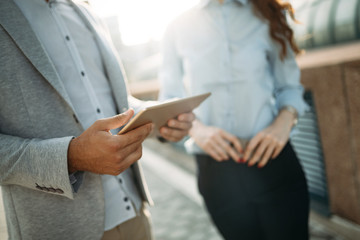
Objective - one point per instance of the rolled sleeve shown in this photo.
(287, 87)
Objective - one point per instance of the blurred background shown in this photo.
(329, 140)
(328, 144)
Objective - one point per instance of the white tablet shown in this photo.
(160, 113)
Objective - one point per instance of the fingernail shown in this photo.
(259, 166)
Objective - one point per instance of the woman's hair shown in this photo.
(274, 12)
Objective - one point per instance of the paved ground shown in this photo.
(179, 212)
(3, 233)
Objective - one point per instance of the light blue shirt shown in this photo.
(74, 52)
(226, 49)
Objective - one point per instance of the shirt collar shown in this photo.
(204, 3)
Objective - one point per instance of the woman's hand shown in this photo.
(219, 144)
(269, 142)
(177, 128)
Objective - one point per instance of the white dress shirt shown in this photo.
(227, 50)
(73, 50)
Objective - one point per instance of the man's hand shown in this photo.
(218, 143)
(268, 143)
(177, 128)
(97, 150)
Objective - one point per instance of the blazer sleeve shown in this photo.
(37, 164)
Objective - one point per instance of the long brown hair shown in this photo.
(274, 12)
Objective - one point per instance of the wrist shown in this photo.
(285, 119)
(71, 156)
(291, 112)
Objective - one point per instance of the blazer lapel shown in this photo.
(17, 26)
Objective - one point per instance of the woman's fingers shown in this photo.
(259, 151)
(279, 147)
(218, 148)
(254, 142)
(227, 145)
(234, 141)
(266, 157)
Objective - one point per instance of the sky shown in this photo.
(142, 20)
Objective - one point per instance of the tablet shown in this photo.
(160, 113)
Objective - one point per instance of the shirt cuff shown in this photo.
(76, 179)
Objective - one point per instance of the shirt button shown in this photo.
(127, 207)
(126, 199)
(82, 73)
(98, 110)
(120, 180)
(67, 38)
(75, 118)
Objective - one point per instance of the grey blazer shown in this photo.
(37, 122)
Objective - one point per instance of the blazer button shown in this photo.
(58, 190)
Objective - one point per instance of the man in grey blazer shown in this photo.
(63, 174)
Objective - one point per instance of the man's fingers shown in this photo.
(135, 135)
(126, 158)
(114, 122)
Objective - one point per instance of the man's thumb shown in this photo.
(115, 121)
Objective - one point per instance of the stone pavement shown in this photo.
(179, 212)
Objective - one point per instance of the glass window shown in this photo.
(301, 31)
(321, 28)
(345, 17)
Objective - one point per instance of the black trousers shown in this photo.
(250, 203)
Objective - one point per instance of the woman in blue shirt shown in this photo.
(244, 53)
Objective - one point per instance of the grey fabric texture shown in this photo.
(36, 125)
